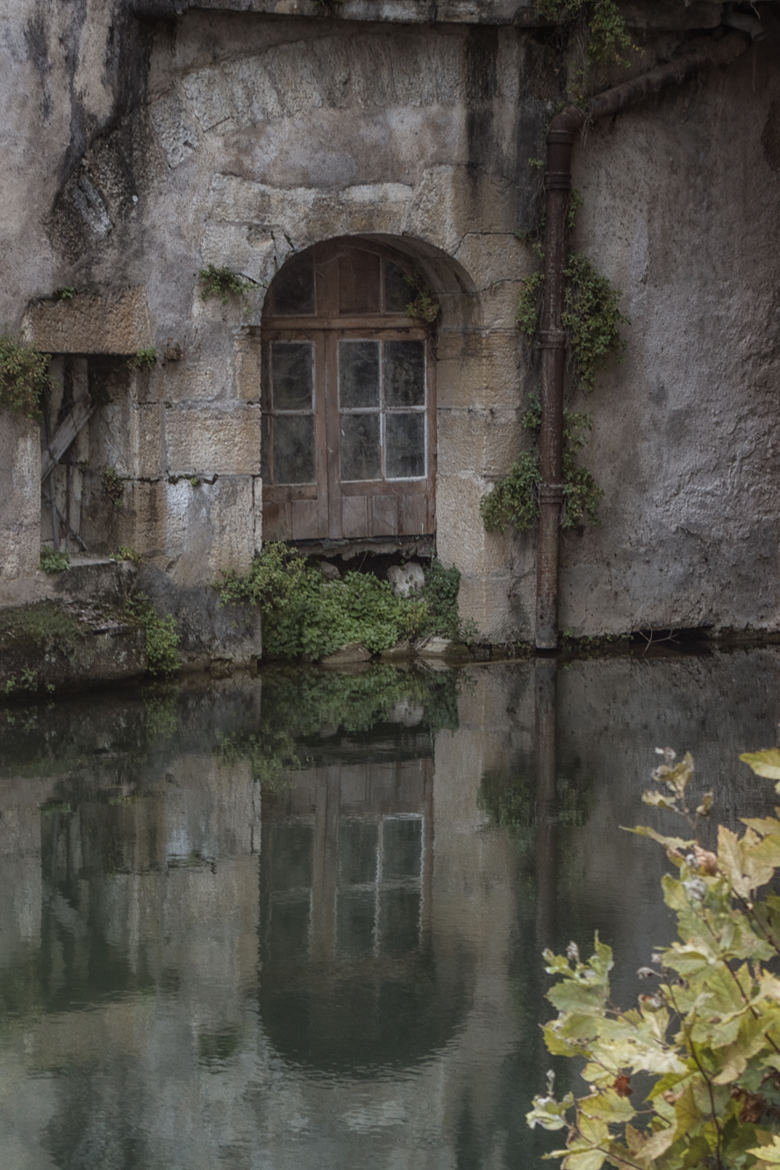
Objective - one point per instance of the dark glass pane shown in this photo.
(291, 375)
(294, 448)
(291, 850)
(359, 373)
(405, 442)
(356, 911)
(289, 932)
(360, 446)
(401, 847)
(399, 918)
(357, 852)
(293, 288)
(398, 290)
(359, 282)
(404, 373)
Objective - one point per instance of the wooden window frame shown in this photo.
(331, 508)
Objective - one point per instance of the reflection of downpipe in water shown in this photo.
(557, 181)
(545, 805)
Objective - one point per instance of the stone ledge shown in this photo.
(115, 323)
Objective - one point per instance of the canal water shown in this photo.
(296, 923)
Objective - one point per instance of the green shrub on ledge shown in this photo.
(305, 616)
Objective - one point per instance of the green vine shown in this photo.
(162, 639)
(112, 484)
(23, 378)
(222, 282)
(591, 318)
(608, 41)
(423, 304)
(514, 500)
(143, 359)
(53, 561)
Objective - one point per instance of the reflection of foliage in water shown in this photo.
(510, 800)
(298, 704)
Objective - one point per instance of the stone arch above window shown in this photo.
(348, 398)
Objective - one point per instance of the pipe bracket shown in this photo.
(552, 339)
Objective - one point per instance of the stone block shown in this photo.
(115, 323)
(208, 528)
(449, 200)
(248, 367)
(244, 248)
(139, 522)
(175, 128)
(486, 601)
(461, 537)
(495, 256)
(20, 496)
(208, 93)
(487, 374)
(205, 441)
(485, 442)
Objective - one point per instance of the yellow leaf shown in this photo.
(730, 858)
(766, 763)
(768, 1155)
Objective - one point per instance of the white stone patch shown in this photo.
(208, 96)
(253, 92)
(175, 130)
(406, 579)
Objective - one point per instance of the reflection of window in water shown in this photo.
(379, 866)
(379, 898)
(291, 889)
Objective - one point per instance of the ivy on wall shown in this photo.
(23, 377)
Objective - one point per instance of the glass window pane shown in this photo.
(355, 933)
(289, 932)
(398, 290)
(294, 448)
(293, 288)
(359, 282)
(360, 446)
(291, 375)
(291, 847)
(358, 373)
(404, 373)
(405, 440)
(401, 847)
(399, 917)
(357, 852)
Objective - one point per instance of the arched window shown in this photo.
(348, 402)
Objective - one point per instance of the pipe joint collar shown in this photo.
(557, 180)
(551, 493)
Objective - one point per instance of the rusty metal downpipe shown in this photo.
(561, 137)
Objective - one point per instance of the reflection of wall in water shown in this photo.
(350, 972)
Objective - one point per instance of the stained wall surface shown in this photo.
(145, 144)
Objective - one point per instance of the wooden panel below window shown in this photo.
(384, 516)
(354, 516)
(308, 519)
(277, 521)
(414, 514)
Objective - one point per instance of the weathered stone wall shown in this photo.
(20, 474)
(152, 142)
